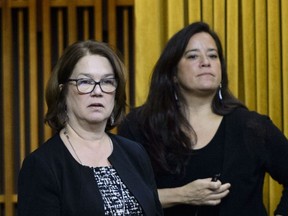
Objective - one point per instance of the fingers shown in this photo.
(204, 192)
(215, 192)
(219, 186)
(215, 198)
(225, 187)
(213, 202)
(218, 192)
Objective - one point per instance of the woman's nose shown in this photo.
(205, 62)
(97, 90)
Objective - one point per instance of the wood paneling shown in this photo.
(33, 35)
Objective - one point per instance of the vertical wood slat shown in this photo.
(60, 31)
(47, 67)
(21, 81)
(86, 24)
(126, 49)
(72, 22)
(112, 22)
(98, 26)
(7, 79)
(33, 76)
(1, 122)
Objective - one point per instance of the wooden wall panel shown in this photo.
(33, 35)
(7, 110)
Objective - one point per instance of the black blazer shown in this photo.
(52, 183)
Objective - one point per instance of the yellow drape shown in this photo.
(254, 34)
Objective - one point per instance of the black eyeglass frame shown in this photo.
(95, 84)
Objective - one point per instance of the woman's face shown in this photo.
(199, 70)
(95, 107)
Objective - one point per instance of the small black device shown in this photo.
(215, 177)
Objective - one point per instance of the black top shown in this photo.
(52, 182)
(253, 146)
(211, 157)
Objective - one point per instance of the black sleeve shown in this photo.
(148, 174)
(131, 128)
(125, 130)
(277, 162)
(38, 191)
(159, 210)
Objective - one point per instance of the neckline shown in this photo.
(216, 135)
(71, 158)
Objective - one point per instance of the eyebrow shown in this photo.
(112, 75)
(108, 75)
(197, 50)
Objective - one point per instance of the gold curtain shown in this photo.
(255, 41)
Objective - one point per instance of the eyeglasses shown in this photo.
(85, 86)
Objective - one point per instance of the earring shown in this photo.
(176, 97)
(220, 92)
(112, 120)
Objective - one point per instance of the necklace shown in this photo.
(74, 151)
(68, 138)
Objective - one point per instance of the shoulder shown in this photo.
(131, 127)
(129, 150)
(47, 153)
(43, 163)
(49, 148)
(134, 115)
(126, 144)
(130, 154)
(251, 122)
(242, 115)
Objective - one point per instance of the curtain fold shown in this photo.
(254, 35)
(275, 99)
(247, 53)
(148, 43)
(232, 46)
(284, 35)
(261, 53)
(175, 16)
(194, 10)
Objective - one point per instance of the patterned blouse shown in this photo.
(116, 196)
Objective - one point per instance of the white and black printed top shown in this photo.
(116, 196)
